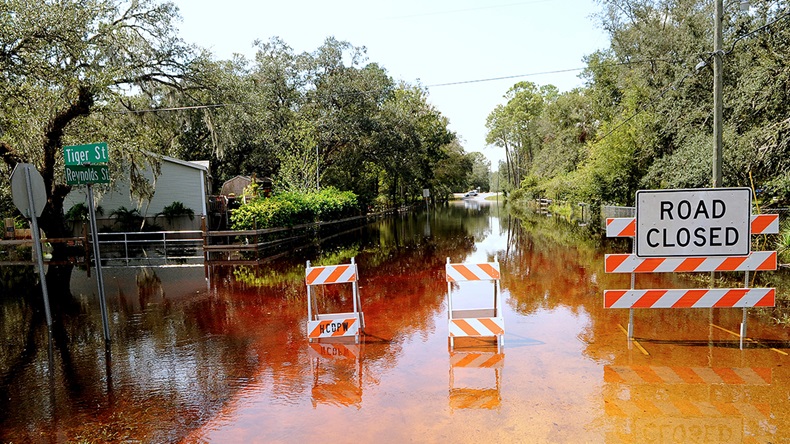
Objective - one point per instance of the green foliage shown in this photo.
(292, 208)
(643, 119)
(67, 66)
(174, 211)
(127, 220)
(80, 213)
(783, 244)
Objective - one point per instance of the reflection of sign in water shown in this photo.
(687, 375)
(337, 373)
(341, 393)
(674, 404)
(469, 372)
(333, 350)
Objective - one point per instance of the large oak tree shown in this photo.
(64, 62)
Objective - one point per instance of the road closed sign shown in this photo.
(695, 222)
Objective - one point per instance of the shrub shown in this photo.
(174, 211)
(293, 208)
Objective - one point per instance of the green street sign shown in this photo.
(86, 154)
(87, 174)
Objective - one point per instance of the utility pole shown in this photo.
(718, 108)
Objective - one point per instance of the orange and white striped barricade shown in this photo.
(469, 364)
(486, 320)
(690, 235)
(333, 325)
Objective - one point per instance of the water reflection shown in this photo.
(337, 373)
(468, 370)
(221, 354)
(683, 404)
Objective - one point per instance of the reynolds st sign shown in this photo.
(695, 222)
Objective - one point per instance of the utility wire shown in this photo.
(756, 30)
(435, 85)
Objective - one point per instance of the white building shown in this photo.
(178, 181)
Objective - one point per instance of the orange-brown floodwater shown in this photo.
(220, 354)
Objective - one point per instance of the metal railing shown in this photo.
(156, 248)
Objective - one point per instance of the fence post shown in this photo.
(204, 229)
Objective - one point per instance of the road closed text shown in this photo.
(711, 222)
(715, 236)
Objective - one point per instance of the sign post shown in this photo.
(29, 195)
(87, 165)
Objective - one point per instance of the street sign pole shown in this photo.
(97, 260)
(37, 246)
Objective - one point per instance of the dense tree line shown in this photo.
(644, 120)
(117, 71)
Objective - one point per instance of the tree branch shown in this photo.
(9, 156)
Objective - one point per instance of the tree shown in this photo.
(481, 171)
(514, 126)
(64, 62)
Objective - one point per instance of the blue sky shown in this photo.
(430, 42)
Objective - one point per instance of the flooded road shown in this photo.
(221, 355)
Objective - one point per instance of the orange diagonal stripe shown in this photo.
(316, 333)
(466, 360)
(311, 277)
(336, 273)
(688, 375)
(731, 263)
(729, 376)
(649, 264)
(465, 327)
(630, 229)
(731, 297)
(465, 272)
(687, 408)
(611, 375)
(761, 222)
(494, 360)
(611, 297)
(769, 263)
(769, 300)
(614, 260)
(765, 373)
(690, 264)
(340, 332)
(492, 326)
(489, 270)
(650, 298)
(647, 374)
(689, 298)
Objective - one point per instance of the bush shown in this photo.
(174, 211)
(292, 208)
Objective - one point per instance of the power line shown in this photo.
(492, 79)
(436, 85)
(558, 71)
